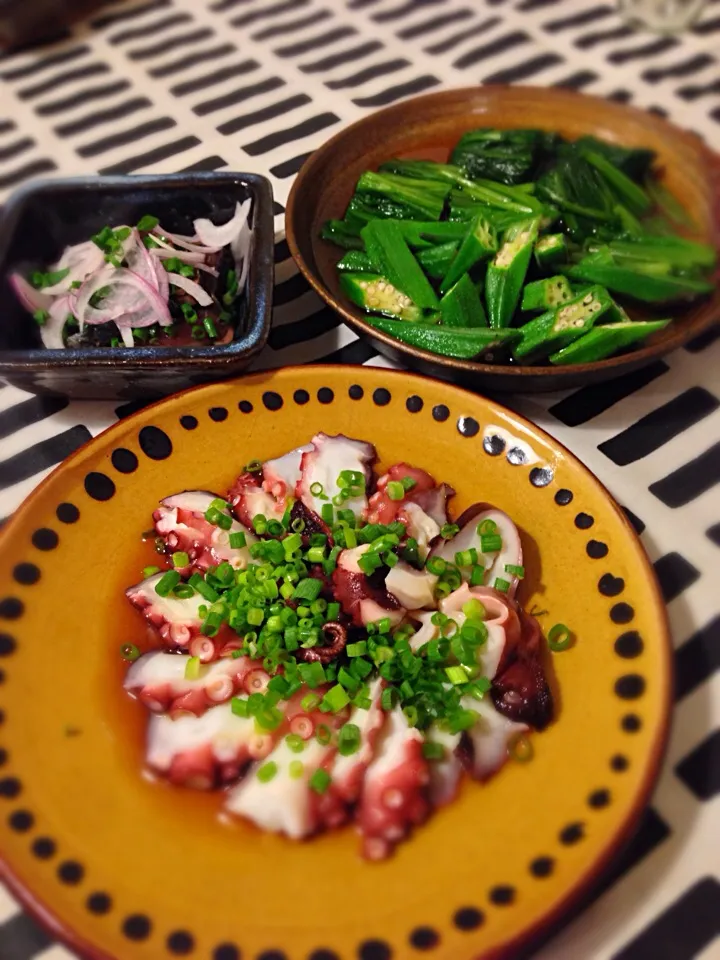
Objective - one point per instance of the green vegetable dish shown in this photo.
(524, 248)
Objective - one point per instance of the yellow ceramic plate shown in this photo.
(121, 867)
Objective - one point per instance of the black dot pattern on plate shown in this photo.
(137, 927)
(7, 645)
(468, 918)
(493, 445)
(98, 486)
(226, 951)
(245, 406)
(11, 608)
(180, 942)
(124, 460)
(440, 413)
(502, 896)
(572, 833)
(621, 613)
(516, 456)
(301, 397)
(44, 848)
(424, 938)
(596, 549)
(619, 763)
(356, 392)
(323, 954)
(541, 476)
(325, 395)
(583, 521)
(272, 955)
(218, 414)
(155, 443)
(67, 513)
(381, 397)
(26, 573)
(630, 686)
(610, 586)
(45, 539)
(188, 422)
(272, 400)
(631, 723)
(542, 867)
(71, 872)
(629, 645)
(374, 950)
(21, 821)
(563, 497)
(468, 426)
(599, 799)
(99, 903)
(414, 404)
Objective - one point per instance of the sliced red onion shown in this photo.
(140, 307)
(167, 252)
(222, 235)
(30, 298)
(140, 262)
(190, 287)
(80, 261)
(187, 243)
(51, 331)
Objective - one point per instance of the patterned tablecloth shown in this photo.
(172, 85)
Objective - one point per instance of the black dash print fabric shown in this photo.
(151, 86)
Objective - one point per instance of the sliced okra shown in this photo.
(603, 341)
(551, 249)
(506, 274)
(559, 327)
(436, 261)
(386, 246)
(461, 306)
(461, 342)
(355, 261)
(376, 294)
(546, 294)
(479, 243)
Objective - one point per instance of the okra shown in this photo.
(461, 342)
(479, 243)
(559, 327)
(546, 294)
(506, 274)
(421, 235)
(341, 234)
(355, 261)
(436, 261)
(375, 293)
(603, 341)
(651, 287)
(677, 251)
(551, 249)
(461, 306)
(386, 246)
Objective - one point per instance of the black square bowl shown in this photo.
(44, 217)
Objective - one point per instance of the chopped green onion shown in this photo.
(192, 668)
(456, 675)
(167, 582)
(360, 668)
(408, 483)
(147, 222)
(327, 513)
(349, 739)
(449, 530)
(239, 705)
(515, 570)
(323, 734)
(183, 591)
(210, 327)
(267, 771)
(180, 559)
(296, 769)
(487, 528)
(501, 585)
(313, 674)
(297, 524)
(150, 572)
(320, 781)
(348, 681)
(316, 554)
(203, 588)
(295, 742)
(308, 589)
(259, 523)
(255, 616)
(477, 575)
(559, 638)
(411, 714)
(336, 698)
(474, 610)
(432, 750)
(317, 489)
(491, 543)
(309, 702)
(388, 698)
(128, 651)
(435, 565)
(466, 558)
(356, 649)
(268, 719)
(395, 490)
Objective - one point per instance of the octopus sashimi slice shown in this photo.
(177, 620)
(348, 771)
(490, 737)
(180, 521)
(445, 773)
(281, 475)
(360, 597)
(494, 562)
(248, 499)
(394, 793)
(420, 526)
(426, 494)
(203, 752)
(502, 622)
(413, 589)
(324, 463)
(158, 680)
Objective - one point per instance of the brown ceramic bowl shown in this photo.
(428, 127)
